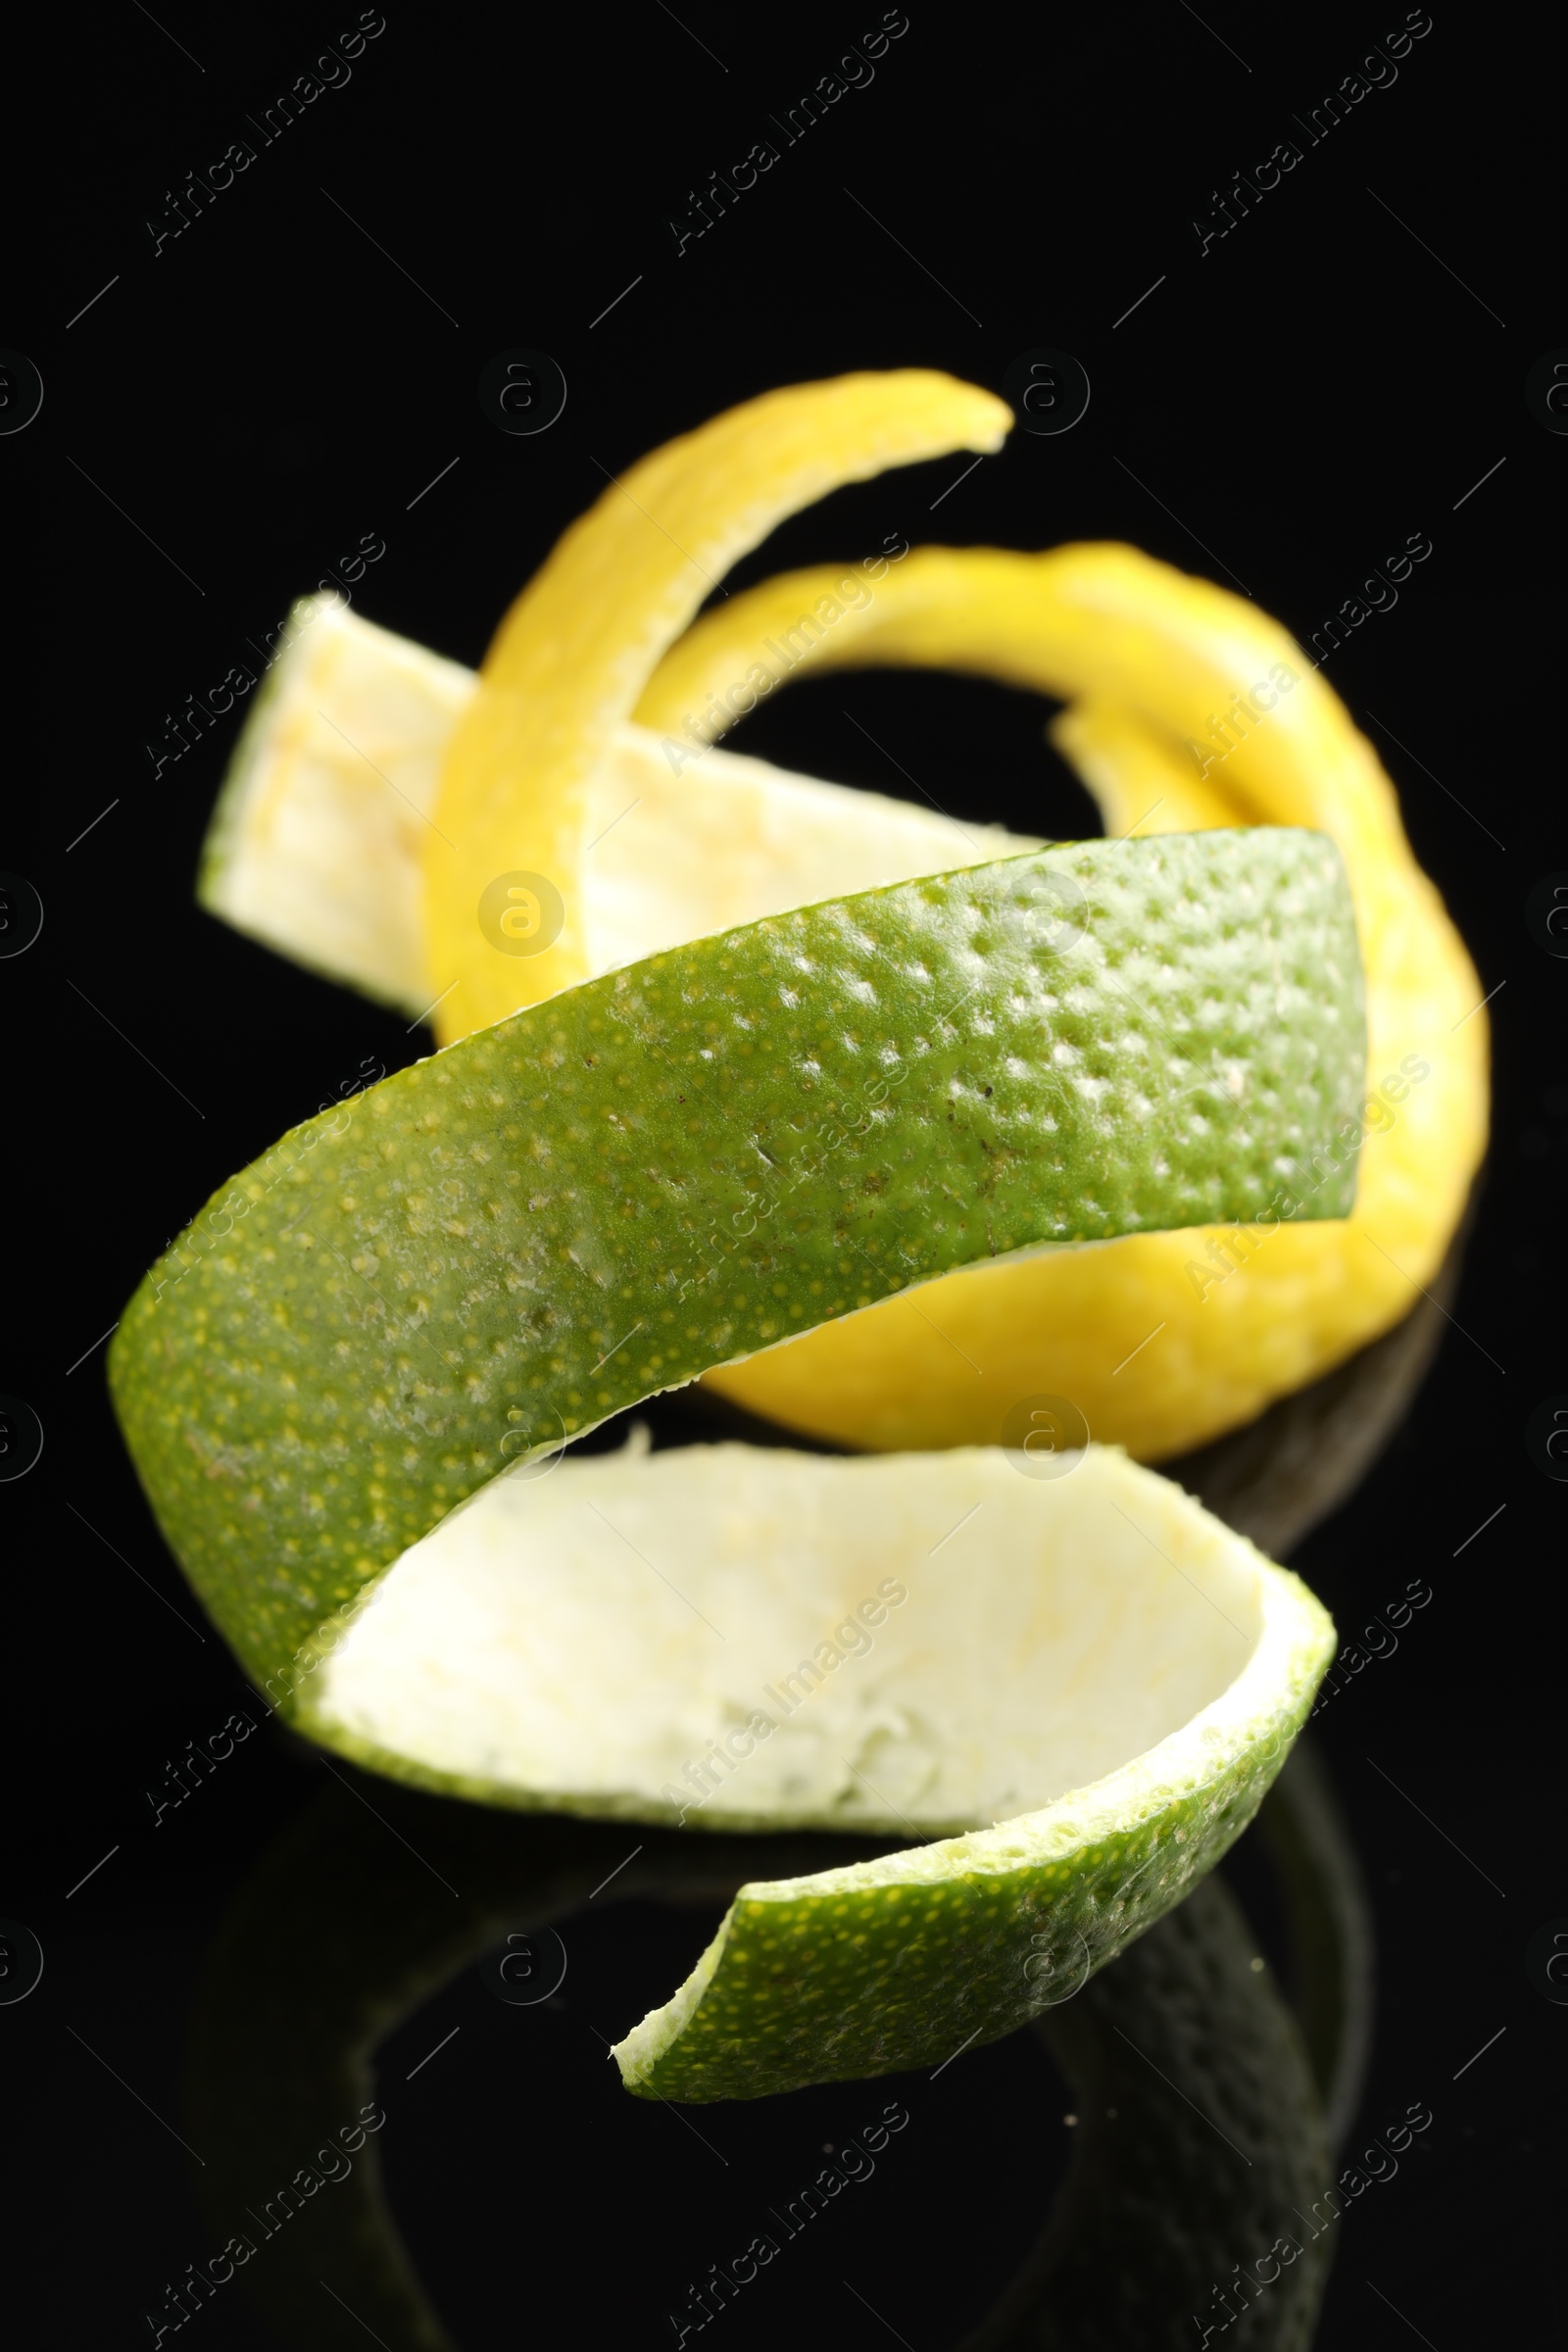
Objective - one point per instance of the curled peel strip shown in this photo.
(538, 1227)
(1159, 673)
(1163, 1341)
(543, 1225)
(578, 645)
(323, 1528)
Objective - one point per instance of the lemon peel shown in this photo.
(315, 845)
(1161, 1341)
(575, 651)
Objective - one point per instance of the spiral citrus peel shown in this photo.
(673, 1165)
(696, 1157)
(579, 757)
(647, 1154)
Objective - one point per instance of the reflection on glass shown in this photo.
(1197, 2203)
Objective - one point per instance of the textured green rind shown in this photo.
(682, 1163)
(886, 1965)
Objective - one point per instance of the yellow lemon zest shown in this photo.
(576, 649)
(1186, 708)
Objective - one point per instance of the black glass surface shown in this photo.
(221, 391)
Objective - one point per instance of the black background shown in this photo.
(225, 421)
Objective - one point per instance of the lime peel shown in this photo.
(693, 1159)
(1085, 1680)
(903, 1961)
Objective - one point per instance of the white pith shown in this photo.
(316, 845)
(593, 1637)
